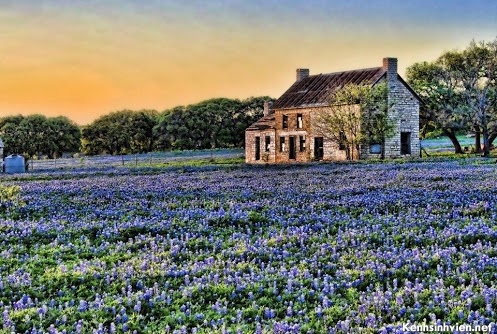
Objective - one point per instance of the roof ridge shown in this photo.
(340, 72)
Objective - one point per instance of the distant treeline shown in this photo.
(214, 123)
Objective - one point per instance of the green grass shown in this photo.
(196, 162)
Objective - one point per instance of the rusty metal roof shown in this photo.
(265, 123)
(315, 89)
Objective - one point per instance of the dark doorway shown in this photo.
(318, 148)
(257, 148)
(293, 151)
(405, 143)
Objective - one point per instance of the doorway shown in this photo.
(257, 148)
(405, 143)
(318, 148)
(293, 151)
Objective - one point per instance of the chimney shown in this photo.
(267, 106)
(390, 66)
(302, 73)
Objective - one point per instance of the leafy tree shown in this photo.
(120, 132)
(63, 135)
(356, 114)
(11, 136)
(39, 135)
(143, 123)
(214, 123)
(478, 79)
(437, 86)
(459, 91)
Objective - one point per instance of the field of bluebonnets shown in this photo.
(331, 248)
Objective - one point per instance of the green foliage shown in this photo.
(10, 196)
(120, 132)
(39, 135)
(459, 91)
(357, 114)
(375, 122)
(215, 123)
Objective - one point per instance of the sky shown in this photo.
(86, 58)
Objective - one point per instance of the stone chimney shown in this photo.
(267, 106)
(302, 73)
(390, 66)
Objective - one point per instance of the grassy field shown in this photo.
(346, 248)
(444, 143)
(434, 147)
(154, 159)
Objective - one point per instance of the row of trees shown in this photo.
(459, 90)
(39, 135)
(215, 123)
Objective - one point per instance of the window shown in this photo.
(300, 122)
(342, 145)
(285, 121)
(302, 143)
(282, 144)
(268, 143)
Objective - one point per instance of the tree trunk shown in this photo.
(477, 139)
(455, 142)
(486, 144)
(492, 137)
(484, 128)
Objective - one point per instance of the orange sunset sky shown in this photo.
(86, 58)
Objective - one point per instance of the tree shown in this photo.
(121, 132)
(63, 136)
(39, 135)
(459, 91)
(355, 114)
(478, 78)
(11, 136)
(143, 123)
(436, 83)
(214, 123)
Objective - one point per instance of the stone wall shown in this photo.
(404, 113)
(250, 149)
(292, 130)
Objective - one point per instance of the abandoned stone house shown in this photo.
(285, 133)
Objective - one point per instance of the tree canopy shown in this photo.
(459, 91)
(214, 123)
(39, 135)
(124, 131)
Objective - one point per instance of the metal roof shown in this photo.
(265, 123)
(314, 90)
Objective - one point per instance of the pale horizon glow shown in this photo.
(83, 59)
